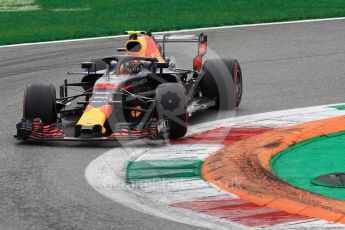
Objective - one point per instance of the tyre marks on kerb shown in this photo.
(181, 194)
(272, 192)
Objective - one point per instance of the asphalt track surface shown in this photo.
(42, 186)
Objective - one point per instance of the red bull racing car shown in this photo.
(141, 94)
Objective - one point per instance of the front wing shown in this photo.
(34, 129)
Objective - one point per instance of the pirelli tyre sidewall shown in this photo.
(40, 102)
(221, 79)
(171, 104)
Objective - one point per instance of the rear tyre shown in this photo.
(236, 72)
(221, 80)
(40, 102)
(171, 105)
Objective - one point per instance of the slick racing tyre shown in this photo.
(171, 105)
(221, 79)
(236, 72)
(40, 102)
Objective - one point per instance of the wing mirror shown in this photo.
(87, 65)
(162, 65)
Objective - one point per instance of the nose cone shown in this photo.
(92, 122)
(88, 131)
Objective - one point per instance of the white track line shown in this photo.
(178, 31)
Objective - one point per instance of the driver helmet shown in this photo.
(131, 67)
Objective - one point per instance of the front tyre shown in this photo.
(171, 105)
(40, 102)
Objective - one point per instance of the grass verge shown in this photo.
(45, 20)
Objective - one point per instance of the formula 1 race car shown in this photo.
(136, 95)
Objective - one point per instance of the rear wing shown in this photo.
(179, 38)
(201, 39)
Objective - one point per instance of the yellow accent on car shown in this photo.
(146, 49)
(135, 32)
(93, 117)
(136, 113)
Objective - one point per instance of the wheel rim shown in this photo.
(238, 82)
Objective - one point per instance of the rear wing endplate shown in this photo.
(201, 39)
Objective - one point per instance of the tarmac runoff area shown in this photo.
(220, 175)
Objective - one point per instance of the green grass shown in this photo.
(98, 18)
(300, 164)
